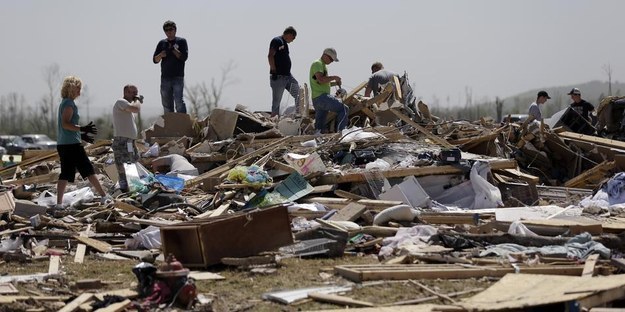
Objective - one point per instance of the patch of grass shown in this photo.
(242, 290)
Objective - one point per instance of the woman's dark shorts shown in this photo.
(73, 156)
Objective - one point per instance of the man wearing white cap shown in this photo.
(579, 105)
(323, 102)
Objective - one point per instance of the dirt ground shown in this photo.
(241, 290)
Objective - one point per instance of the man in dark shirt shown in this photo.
(379, 77)
(579, 105)
(280, 70)
(172, 52)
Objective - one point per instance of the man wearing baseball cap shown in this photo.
(323, 102)
(579, 105)
(534, 110)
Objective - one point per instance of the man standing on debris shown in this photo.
(534, 110)
(323, 102)
(579, 105)
(125, 131)
(71, 152)
(280, 70)
(379, 77)
(172, 52)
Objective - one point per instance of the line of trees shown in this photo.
(19, 117)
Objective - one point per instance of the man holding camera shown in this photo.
(125, 131)
(172, 52)
(280, 70)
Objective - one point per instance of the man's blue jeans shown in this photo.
(326, 103)
(171, 92)
(278, 86)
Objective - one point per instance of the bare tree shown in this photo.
(608, 70)
(499, 108)
(200, 96)
(12, 116)
(52, 77)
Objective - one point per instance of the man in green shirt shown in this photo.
(323, 102)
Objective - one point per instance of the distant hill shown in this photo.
(592, 91)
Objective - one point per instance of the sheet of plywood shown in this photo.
(95, 244)
(76, 302)
(359, 273)
(80, 253)
(522, 291)
(351, 212)
(55, 263)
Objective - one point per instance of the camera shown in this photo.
(139, 98)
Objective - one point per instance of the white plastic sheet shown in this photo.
(148, 238)
(74, 198)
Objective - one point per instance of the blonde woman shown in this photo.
(71, 152)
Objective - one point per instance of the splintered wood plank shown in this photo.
(590, 177)
(360, 273)
(593, 139)
(95, 244)
(339, 300)
(350, 212)
(11, 299)
(227, 166)
(350, 95)
(589, 266)
(55, 263)
(46, 178)
(80, 253)
(514, 173)
(398, 93)
(76, 302)
(8, 288)
(540, 290)
(428, 134)
(346, 194)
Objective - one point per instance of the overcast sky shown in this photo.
(494, 47)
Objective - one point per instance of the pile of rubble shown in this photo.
(433, 199)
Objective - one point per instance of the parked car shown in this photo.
(41, 140)
(515, 118)
(15, 145)
(2, 150)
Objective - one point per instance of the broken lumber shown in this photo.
(340, 300)
(374, 272)
(435, 139)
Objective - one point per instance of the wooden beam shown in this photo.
(593, 139)
(95, 244)
(514, 173)
(348, 195)
(339, 300)
(428, 134)
(339, 203)
(351, 94)
(595, 173)
(398, 93)
(351, 212)
(84, 297)
(366, 272)
(55, 263)
(589, 266)
(227, 166)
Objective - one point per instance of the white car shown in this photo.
(40, 140)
